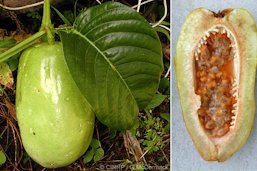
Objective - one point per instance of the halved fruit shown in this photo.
(215, 62)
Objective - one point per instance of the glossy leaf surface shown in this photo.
(115, 58)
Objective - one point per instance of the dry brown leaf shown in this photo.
(11, 108)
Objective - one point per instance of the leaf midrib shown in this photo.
(108, 61)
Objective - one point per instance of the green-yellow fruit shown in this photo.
(215, 62)
(55, 120)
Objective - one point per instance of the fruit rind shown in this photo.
(242, 25)
(55, 120)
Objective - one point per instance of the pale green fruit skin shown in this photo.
(55, 120)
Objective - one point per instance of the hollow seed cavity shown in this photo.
(216, 81)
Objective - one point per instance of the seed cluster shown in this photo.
(214, 83)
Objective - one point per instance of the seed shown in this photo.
(215, 69)
(211, 84)
(205, 54)
(223, 131)
(198, 73)
(220, 61)
(224, 83)
(231, 55)
(228, 102)
(207, 118)
(224, 76)
(219, 120)
(209, 79)
(219, 112)
(227, 118)
(201, 119)
(198, 91)
(203, 79)
(219, 74)
(202, 91)
(210, 124)
(233, 101)
(201, 112)
(223, 106)
(214, 84)
(227, 93)
(214, 131)
(220, 91)
(212, 110)
(205, 100)
(224, 100)
(213, 60)
(203, 73)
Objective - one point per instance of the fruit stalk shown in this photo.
(46, 22)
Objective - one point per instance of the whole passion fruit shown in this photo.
(55, 120)
(215, 62)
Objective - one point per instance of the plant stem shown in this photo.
(75, 9)
(21, 46)
(46, 27)
(46, 22)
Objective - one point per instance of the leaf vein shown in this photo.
(107, 60)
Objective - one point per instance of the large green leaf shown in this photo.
(115, 58)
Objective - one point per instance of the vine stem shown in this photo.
(145, 2)
(46, 22)
(21, 46)
(22, 7)
(139, 5)
(46, 27)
